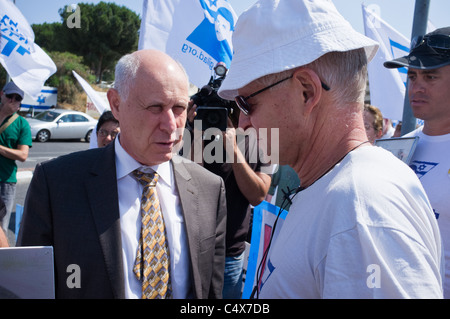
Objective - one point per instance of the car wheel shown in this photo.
(43, 136)
(88, 136)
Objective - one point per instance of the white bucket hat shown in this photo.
(277, 35)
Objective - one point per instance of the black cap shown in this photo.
(430, 51)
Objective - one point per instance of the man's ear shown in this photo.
(114, 102)
(311, 87)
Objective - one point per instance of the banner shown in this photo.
(387, 86)
(197, 33)
(26, 63)
(264, 217)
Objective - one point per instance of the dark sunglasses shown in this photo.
(17, 97)
(245, 108)
(435, 41)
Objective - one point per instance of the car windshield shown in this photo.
(47, 116)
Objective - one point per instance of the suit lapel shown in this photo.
(101, 188)
(188, 192)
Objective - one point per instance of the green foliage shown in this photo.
(107, 31)
(49, 36)
(63, 79)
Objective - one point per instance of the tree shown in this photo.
(107, 31)
(49, 36)
(69, 90)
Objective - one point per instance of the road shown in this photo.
(40, 152)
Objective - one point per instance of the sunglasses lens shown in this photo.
(16, 97)
(242, 104)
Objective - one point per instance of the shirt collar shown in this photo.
(125, 164)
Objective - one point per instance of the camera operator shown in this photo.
(245, 185)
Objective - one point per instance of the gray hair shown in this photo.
(344, 72)
(126, 70)
(125, 73)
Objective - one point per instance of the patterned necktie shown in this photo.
(152, 258)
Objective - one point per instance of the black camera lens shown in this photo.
(213, 118)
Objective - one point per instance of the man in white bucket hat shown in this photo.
(360, 225)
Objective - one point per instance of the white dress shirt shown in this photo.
(129, 192)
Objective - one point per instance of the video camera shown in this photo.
(212, 110)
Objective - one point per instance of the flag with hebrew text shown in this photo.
(197, 33)
(26, 63)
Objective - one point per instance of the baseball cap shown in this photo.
(11, 88)
(430, 51)
(277, 35)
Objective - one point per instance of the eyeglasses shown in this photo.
(105, 133)
(245, 108)
(14, 96)
(435, 41)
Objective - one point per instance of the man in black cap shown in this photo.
(15, 141)
(429, 95)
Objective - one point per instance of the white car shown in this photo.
(61, 124)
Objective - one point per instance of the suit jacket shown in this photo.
(72, 205)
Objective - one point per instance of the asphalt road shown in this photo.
(40, 152)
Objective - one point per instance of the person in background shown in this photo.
(138, 221)
(15, 143)
(360, 225)
(388, 128)
(428, 66)
(245, 184)
(398, 130)
(373, 122)
(107, 129)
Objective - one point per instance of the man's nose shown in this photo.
(168, 122)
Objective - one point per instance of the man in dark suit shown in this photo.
(87, 204)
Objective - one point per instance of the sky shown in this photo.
(398, 13)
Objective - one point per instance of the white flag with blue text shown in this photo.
(387, 86)
(197, 33)
(26, 63)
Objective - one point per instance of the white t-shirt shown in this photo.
(364, 230)
(431, 163)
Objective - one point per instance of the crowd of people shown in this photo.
(144, 222)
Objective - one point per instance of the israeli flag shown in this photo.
(387, 86)
(26, 63)
(197, 33)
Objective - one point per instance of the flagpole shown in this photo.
(419, 28)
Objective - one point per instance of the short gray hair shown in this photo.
(125, 73)
(344, 72)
